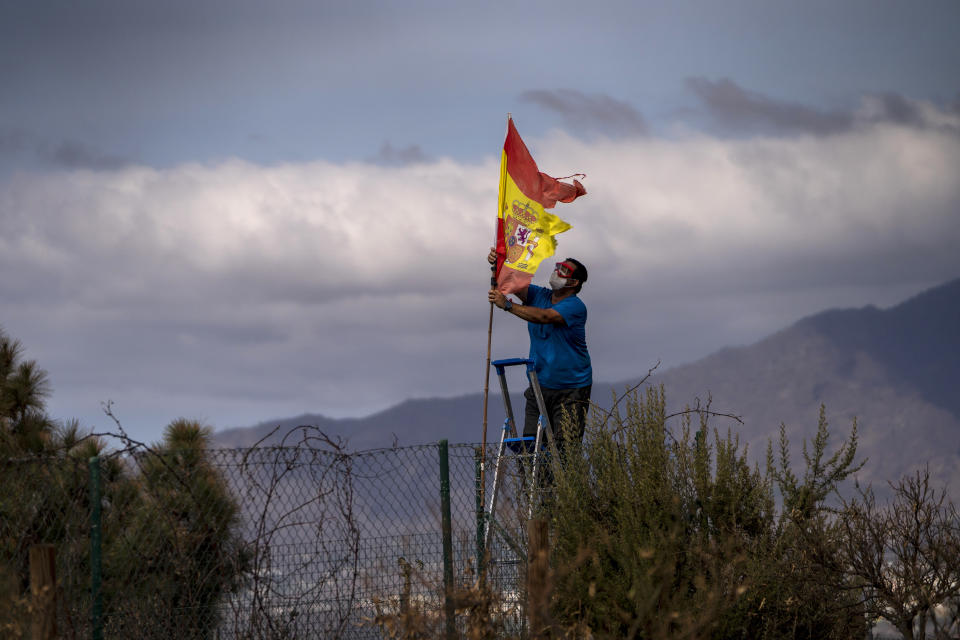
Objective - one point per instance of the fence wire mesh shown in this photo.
(299, 541)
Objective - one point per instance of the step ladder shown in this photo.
(520, 446)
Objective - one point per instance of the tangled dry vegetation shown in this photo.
(662, 533)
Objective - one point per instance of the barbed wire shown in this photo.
(297, 539)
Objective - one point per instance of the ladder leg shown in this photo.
(545, 420)
(497, 477)
(532, 498)
(507, 405)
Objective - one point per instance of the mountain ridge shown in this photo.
(894, 370)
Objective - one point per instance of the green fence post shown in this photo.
(478, 472)
(447, 540)
(96, 597)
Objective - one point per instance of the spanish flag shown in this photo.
(525, 230)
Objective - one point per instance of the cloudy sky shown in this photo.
(239, 211)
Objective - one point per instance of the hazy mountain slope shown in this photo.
(918, 341)
(897, 370)
(458, 419)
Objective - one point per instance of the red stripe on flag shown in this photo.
(511, 280)
(501, 247)
(530, 180)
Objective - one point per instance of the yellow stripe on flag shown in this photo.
(528, 229)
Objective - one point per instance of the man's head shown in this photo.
(572, 269)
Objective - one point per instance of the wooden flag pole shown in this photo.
(486, 395)
(486, 382)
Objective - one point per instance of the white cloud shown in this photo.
(237, 292)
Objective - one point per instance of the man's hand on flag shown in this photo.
(494, 295)
(497, 298)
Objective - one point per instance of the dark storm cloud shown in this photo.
(68, 154)
(595, 112)
(893, 107)
(76, 155)
(390, 156)
(740, 110)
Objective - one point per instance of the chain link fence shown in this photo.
(298, 541)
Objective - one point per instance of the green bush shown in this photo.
(659, 534)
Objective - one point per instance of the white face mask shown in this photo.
(556, 282)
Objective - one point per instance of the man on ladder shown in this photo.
(556, 320)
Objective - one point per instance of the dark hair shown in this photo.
(579, 274)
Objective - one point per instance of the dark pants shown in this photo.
(566, 409)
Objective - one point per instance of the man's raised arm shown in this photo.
(535, 315)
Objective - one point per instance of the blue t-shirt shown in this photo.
(560, 352)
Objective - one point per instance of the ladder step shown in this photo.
(521, 445)
(510, 362)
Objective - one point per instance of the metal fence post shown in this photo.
(96, 596)
(447, 540)
(478, 469)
